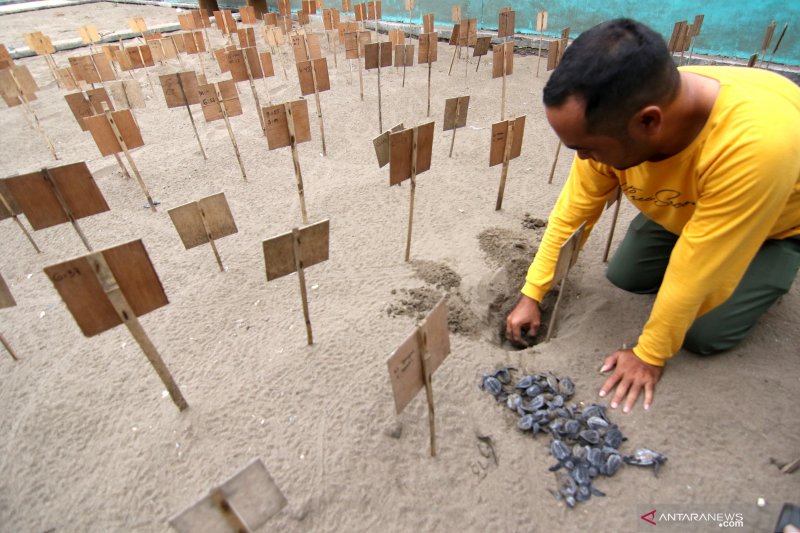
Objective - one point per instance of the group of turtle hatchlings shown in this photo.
(585, 443)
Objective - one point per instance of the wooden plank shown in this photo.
(83, 295)
(251, 494)
(267, 68)
(468, 34)
(481, 46)
(306, 79)
(505, 26)
(568, 255)
(89, 34)
(451, 121)
(404, 55)
(279, 252)
(405, 363)
(383, 147)
(85, 105)
(211, 107)
(5, 58)
(277, 126)
(173, 95)
(377, 54)
(6, 298)
(499, 52)
(248, 15)
(137, 25)
(104, 136)
(427, 23)
(498, 143)
(401, 150)
(455, 33)
(541, 21)
(428, 48)
(127, 93)
(247, 37)
(24, 79)
(189, 222)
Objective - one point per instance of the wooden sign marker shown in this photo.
(505, 24)
(454, 35)
(56, 195)
(294, 252)
(770, 32)
(17, 86)
(412, 365)
(287, 125)
(85, 104)
(180, 90)
(567, 256)
(455, 116)
(481, 49)
(312, 72)
(195, 45)
(10, 209)
(331, 21)
(554, 54)
(382, 146)
(242, 504)
(203, 222)
(43, 46)
(506, 145)
(404, 55)
(695, 32)
(363, 38)
(221, 101)
(377, 55)
(374, 14)
(502, 66)
(5, 58)
(428, 51)
(274, 38)
(7, 300)
(541, 27)
(128, 94)
(111, 287)
(115, 132)
(467, 36)
(615, 200)
(244, 65)
(411, 151)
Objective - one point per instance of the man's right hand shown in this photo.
(525, 314)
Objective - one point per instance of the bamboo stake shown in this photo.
(191, 118)
(613, 225)
(255, 93)
(235, 522)
(128, 317)
(413, 189)
(124, 147)
(301, 276)
(16, 219)
(144, 66)
(230, 131)
(199, 53)
(316, 95)
(360, 77)
(122, 46)
(555, 310)
(8, 348)
(430, 66)
(479, 63)
(455, 127)
(453, 60)
(777, 44)
(210, 239)
(380, 107)
(127, 103)
(506, 157)
(503, 99)
(30, 110)
(122, 167)
(296, 160)
(539, 57)
(49, 179)
(555, 160)
(426, 377)
(404, 67)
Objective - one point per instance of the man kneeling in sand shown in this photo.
(711, 158)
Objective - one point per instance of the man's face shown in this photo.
(567, 120)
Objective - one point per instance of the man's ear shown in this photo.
(647, 121)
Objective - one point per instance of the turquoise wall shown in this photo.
(732, 28)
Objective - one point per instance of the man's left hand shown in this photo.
(630, 376)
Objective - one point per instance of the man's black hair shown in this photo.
(616, 68)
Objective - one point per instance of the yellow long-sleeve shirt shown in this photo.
(735, 186)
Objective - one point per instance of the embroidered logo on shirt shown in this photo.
(662, 198)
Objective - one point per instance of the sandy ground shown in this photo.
(89, 441)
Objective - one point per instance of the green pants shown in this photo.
(641, 260)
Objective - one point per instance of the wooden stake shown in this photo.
(30, 110)
(49, 179)
(613, 225)
(191, 118)
(453, 140)
(301, 276)
(506, 156)
(453, 60)
(413, 189)
(555, 309)
(426, 377)
(144, 66)
(121, 142)
(555, 160)
(360, 79)
(503, 99)
(122, 167)
(316, 95)
(8, 348)
(253, 88)
(479, 63)
(128, 317)
(230, 131)
(210, 239)
(296, 160)
(235, 522)
(380, 108)
(16, 219)
(430, 66)
(199, 53)
(539, 60)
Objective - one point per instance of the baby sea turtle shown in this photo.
(503, 374)
(613, 437)
(590, 435)
(646, 457)
(566, 387)
(491, 385)
(613, 463)
(525, 382)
